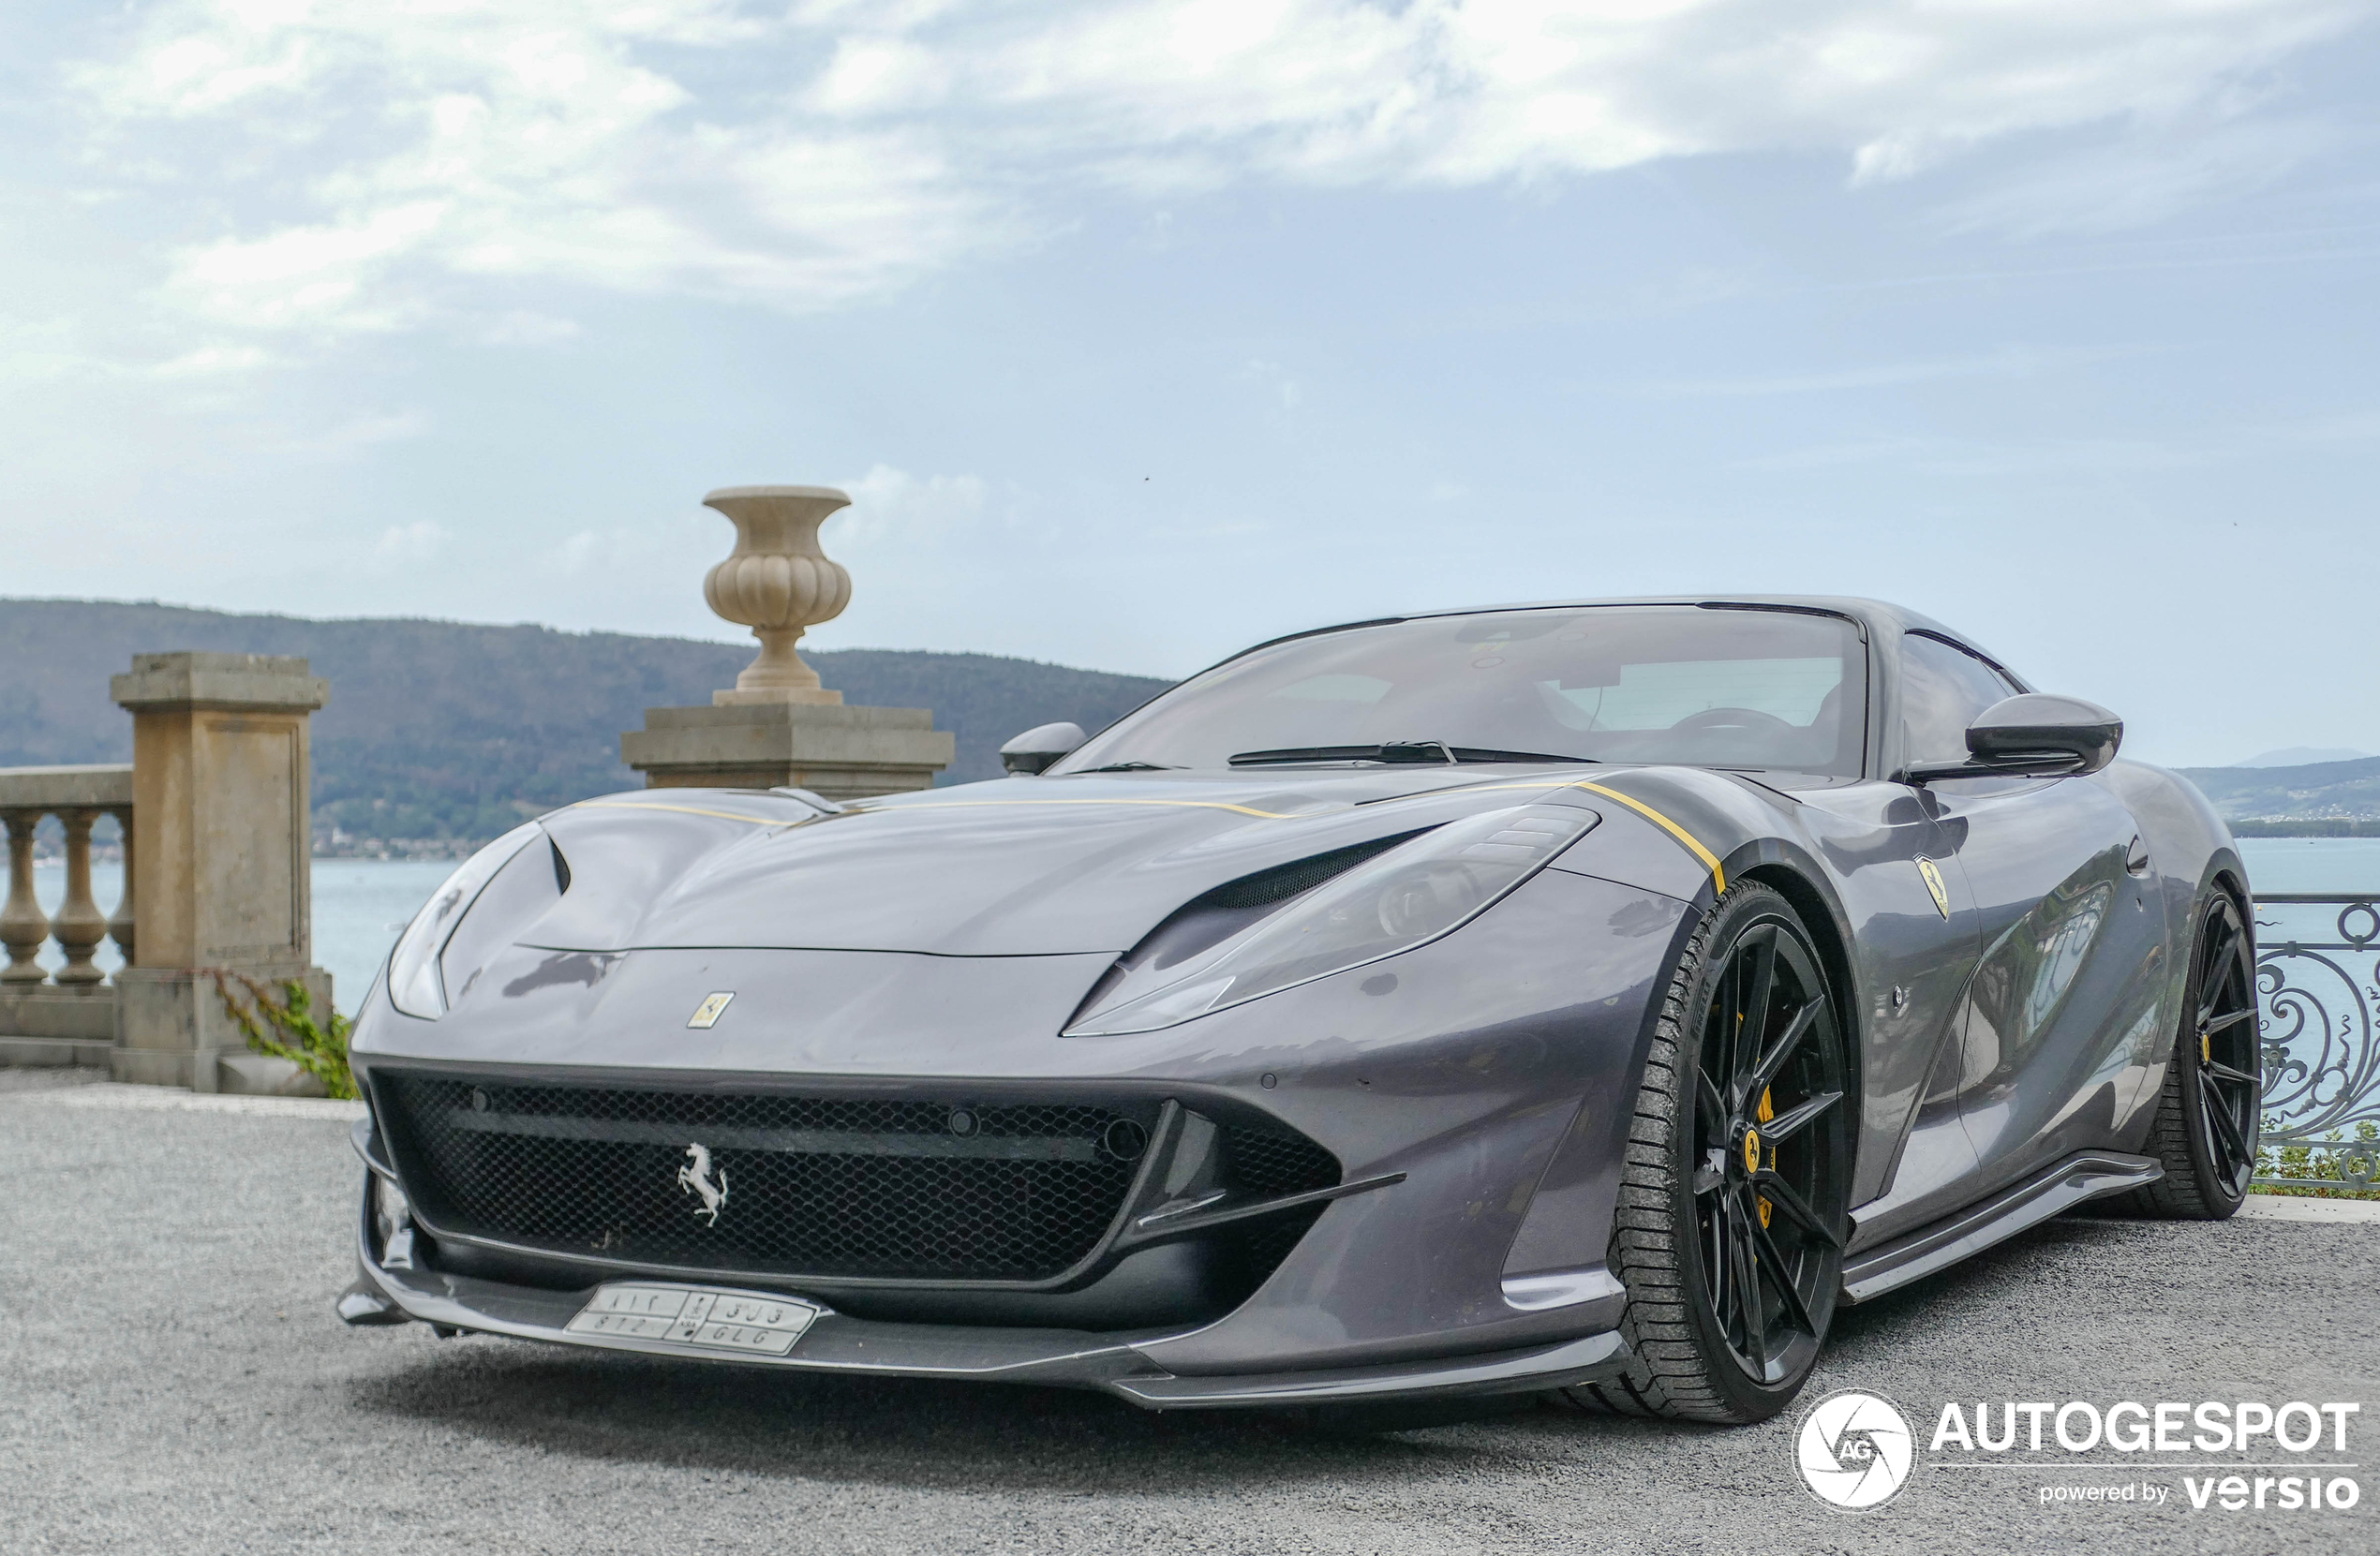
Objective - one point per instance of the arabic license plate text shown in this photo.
(750, 1323)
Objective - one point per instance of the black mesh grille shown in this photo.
(818, 1186)
(1263, 1164)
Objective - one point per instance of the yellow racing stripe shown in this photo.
(682, 809)
(1710, 861)
(1187, 804)
(1694, 846)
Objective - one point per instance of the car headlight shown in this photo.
(1408, 896)
(416, 983)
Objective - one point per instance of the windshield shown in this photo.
(1685, 683)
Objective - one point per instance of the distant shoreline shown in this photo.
(2310, 827)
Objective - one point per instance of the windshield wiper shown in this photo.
(1136, 767)
(1397, 751)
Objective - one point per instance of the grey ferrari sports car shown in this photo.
(1586, 997)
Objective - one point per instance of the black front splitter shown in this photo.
(1070, 1358)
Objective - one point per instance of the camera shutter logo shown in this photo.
(1856, 1450)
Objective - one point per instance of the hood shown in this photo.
(1015, 866)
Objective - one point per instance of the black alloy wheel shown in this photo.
(2210, 1111)
(1734, 1201)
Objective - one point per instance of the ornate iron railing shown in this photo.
(2320, 1000)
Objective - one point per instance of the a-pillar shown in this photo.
(220, 855)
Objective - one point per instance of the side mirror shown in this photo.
(2034, 735)
(1036, 749)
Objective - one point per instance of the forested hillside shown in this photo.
(441, 730)
(2319, 797)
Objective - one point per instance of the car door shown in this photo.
(2062, 1010)
(1915, 964)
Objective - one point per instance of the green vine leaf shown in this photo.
(284, 1027)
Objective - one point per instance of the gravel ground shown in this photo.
(171, 1379)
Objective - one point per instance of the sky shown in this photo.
(1138, 331)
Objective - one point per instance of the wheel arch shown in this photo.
(1785, 870)
(2226, 873)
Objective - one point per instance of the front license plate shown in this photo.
(737, 1321)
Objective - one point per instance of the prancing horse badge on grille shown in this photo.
(695, 1178)
(707, 1013)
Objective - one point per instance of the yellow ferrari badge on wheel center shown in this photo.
(1751, 1151)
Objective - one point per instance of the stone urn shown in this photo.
(778, 582)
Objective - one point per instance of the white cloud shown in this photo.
(432, 146)
(422, 539)
(893, 510)
(1275, 378)
(2142, 180)
(2007, 362)
(525, 327)
(410, 544)
(205, 362)
(372, 160)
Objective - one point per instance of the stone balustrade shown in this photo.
(68, 1018)
(215, 815)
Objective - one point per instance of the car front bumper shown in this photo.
(1067, 1358)
(1474, 1097)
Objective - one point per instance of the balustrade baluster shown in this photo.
(22, 925)
(2319, 1031)
(80, 927)
(120, 928)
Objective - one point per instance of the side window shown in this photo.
(1942, 689)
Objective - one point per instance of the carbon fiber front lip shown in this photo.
(1068, 1358)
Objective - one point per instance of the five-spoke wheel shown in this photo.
(1733, 1205)
(2209, 1112)
(1768, 1123)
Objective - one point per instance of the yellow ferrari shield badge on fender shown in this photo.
(1933, 884)
(707, 1013)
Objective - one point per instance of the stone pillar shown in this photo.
(219, 857)
(778, 727)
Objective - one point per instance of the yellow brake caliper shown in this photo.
(1767, 1111)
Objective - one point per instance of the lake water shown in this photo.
(361, 904)
(358, 907)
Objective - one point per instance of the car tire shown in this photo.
(1683, 1238)
(2213, 1079)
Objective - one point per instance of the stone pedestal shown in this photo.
(777, 728)
(841, 753)
(221, 778)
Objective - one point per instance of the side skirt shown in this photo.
(2087, 1174)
